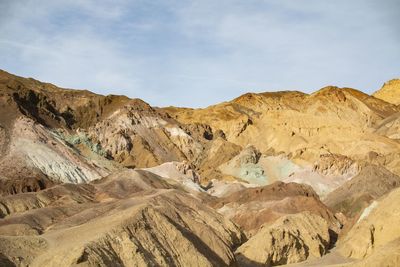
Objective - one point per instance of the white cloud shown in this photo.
(76, 56)
(196, 53)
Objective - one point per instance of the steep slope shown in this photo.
(37, 153)
(356, 194)
(252, 207)
(326, 174)
(181, 172)
(47, 151)
(390, 127)
(33, 118)
(217, 152)
(375, 238)
(390, 92)
(292, 238)
(143, 138)
(128, 218)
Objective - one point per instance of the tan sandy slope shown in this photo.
(390, 92)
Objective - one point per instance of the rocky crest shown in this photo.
(390, 92)
(290, 239)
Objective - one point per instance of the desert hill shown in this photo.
(374, 240)
(102, 223)
(332, 120)
(265, 179)
(356, 194)
(390, 92)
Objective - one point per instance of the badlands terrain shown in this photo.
(266, 179)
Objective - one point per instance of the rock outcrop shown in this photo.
(253, 207)
(375, 238)
(244, 166)
(331, 164)
(290, 239)
(326, 174)
(181, 172)
(390, 127)
(356, 194)
(390, 92)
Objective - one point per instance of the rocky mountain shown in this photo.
(296, 123)
(77, 136)
(291, 239)
(390, 92)
(374, 240)
(265, 179)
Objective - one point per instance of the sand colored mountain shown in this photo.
(133, 134)
(92, 180)
(375, 238)
(332, 120)
(390, 92)
(108, 131)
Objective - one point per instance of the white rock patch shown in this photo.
(367, 211)
(53, 164)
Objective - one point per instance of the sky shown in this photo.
(198, 53)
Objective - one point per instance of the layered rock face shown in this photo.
(326, 174)
(143, 138)
(290, 239)
(333, 120)
(79, 129)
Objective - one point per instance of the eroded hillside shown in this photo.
(265, 179)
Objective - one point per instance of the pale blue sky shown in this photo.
(197, 53)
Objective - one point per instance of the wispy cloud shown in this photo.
(196, 53)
